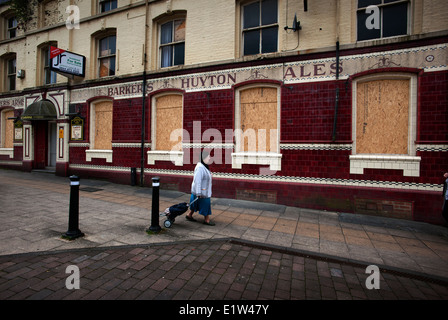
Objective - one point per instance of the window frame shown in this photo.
(10, 77)
(259, 28)
(171, 44)
(107, 57)
(5, 150)
(271, 158)
(409, 163)
(10, 29)
(101, 4)
(381, 6)
(176, 157)
(46, 65)
(93, 152)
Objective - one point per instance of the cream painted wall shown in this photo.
(212, 33)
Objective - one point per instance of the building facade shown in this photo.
(337, 105)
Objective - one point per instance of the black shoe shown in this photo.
(190, 218)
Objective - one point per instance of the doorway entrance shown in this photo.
(43, 116)
(45, 145)
(52, 140)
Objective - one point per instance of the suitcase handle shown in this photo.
(193, 201)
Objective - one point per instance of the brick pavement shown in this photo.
(289, 253)
(200, 270)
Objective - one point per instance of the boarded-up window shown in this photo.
(258, 107)
(103, 125)
(9, 130)
(382, 117)
(168, 119)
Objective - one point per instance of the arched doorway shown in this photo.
(43, 115)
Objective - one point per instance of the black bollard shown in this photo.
(73, 219)
(133, 176)
(155, 227)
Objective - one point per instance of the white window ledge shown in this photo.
(274, 160)
(7, 152)
(409, 164)
(99, 154)
(176, 157)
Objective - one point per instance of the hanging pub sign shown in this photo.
(67, 63)
(77, 128)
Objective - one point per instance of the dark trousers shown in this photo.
(445, 210)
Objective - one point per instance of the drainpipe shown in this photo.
(338, 13)
(142, 154)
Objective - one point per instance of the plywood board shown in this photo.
(382, 117)
(259, 119)
(103, 125)
(168, 119)
(9, 130)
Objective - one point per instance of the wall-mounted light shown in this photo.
(21, 74)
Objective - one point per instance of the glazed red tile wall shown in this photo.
(18, 153)
(127, 120)
(308, 111)
(432, 166)
(214, 109)
(316, 163)
(77, 154)
(433, 106)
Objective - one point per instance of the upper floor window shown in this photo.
(11, 70)
(172, 43)
(11, 29)
(48, 76)
(260, 27)
(387, 18)
(107, 55)
(107, 5)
